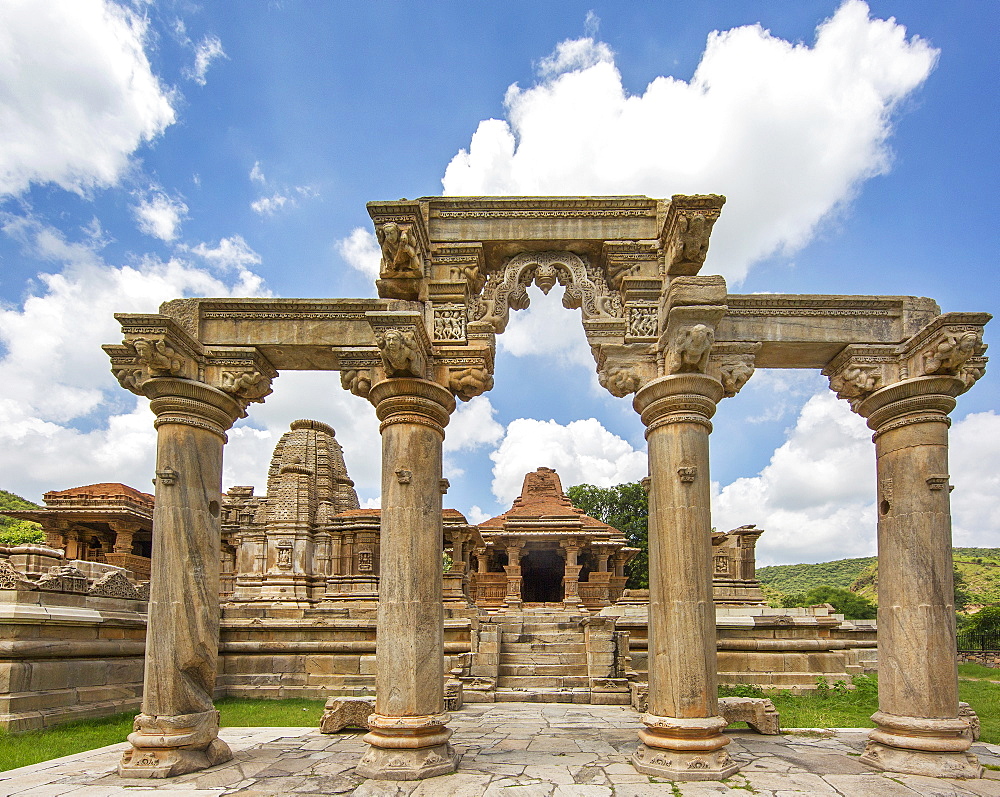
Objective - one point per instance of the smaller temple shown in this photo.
(109, 523)
(544, 550)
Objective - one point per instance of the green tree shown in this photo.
(983, 628)
(625, 508)
(843, 601)
(12, 530)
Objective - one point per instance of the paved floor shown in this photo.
(509, 750)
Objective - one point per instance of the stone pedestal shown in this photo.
(683, 737)
(408, 737)
(177, 731)
(513, 599)
(919, 730)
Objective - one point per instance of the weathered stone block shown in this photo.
(757, 712)
(346, 712)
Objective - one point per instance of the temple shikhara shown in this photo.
(412, 609)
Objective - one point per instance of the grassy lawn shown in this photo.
(835, 707)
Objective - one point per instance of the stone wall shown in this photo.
(988, 658)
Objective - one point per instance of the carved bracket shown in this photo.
(402, 237)
(623, 369)
(691, 309)
(686, 232)
(402, 341)
(733, 365)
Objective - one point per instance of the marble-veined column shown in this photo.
(177, 731)
(682, 738)
(918, 727)
(409, 737)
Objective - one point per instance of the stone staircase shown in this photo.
(545, 655)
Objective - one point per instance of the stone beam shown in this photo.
(806, 331)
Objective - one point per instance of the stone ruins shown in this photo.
(452, 270)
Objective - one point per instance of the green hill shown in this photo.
(802, 578)
(13, 530)
(979, 569)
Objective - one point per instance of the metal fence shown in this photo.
(979, 640)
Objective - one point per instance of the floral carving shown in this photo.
(247, 385)
(467, 383)
(734, 371)
(948, 353)
(401, 354)
(689, 350)
(619, 380)
(358, 381)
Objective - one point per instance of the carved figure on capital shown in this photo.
(401, 270)
(619, 380)
(467, 383)
(687, 231)
(250, 386)
(157, 357)
(401, 355)
(734, 372)
(949, 352)
(357, 380)
(689, 350)
(855, 383)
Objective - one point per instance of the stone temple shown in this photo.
(673, 340)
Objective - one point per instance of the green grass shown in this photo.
(978, 671)
(22, 749)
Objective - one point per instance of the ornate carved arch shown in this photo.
(506, 290)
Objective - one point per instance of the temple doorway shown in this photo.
(542, 576)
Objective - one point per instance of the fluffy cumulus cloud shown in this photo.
(802, 125)
(361, 251)
(546, 328)
(472, 426)
(581, 451)
(79, 94)
(64, 420)
(159, 215)
(816, 496)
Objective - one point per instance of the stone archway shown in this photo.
(452, 269)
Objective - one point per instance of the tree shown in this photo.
(624, 507)
(14, 531)
(843, 601)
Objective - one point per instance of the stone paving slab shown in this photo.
(509, 750)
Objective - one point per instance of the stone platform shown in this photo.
(509, 750)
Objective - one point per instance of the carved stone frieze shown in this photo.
(463, 263)
(687, 230)
(114, 585)
(950, 350)
(449, 324)
(506, 290)
(242, 373)
(621, 259)
(12, 578)
(641, 321)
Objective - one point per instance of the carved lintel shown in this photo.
(686, 232)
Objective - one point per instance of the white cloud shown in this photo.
(209, 49)
(55, 375)
(257, 174)
(269, 205)
(160, 216)
(232, 252)
(581, 451)
(472, 426)
(546, 328)
(974, 453)
(815, 498)
(79, 93)
(361, 251)
(475, 515)
(800, 126)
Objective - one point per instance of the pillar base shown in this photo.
(684, 749)
(921, 762)
(386, 763)
(164, 747)
(932, 746)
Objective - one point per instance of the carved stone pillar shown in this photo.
(408, 737)
(571, 574)
(123, 537)
(482, 560)
(178, 728)
(683, 737)
(513, 570)
(918, 727)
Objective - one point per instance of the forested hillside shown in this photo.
(978, 571)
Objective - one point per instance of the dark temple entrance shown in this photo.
(542, 576)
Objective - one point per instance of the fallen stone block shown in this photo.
(757, 712)
(346, 712)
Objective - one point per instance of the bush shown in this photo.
(843, 601)
(22, 535)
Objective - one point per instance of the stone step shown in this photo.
(545, 648)
(530, 669)
(534, 627)
(579, 696)
(543, 681)
(549, 638)
(544, 659)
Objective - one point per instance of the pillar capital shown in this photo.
(409, 400)
(191, 403)
(679, 398)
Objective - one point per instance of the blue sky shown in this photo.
(160, 149)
